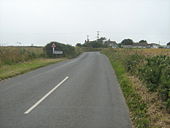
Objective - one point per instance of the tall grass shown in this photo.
(136, 105)
(11, 55)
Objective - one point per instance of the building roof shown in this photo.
(140, 44)
(110, 42)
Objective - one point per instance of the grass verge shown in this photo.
(7, 71)
(137, 107)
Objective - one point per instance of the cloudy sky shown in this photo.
(70, 21)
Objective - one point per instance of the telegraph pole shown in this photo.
(87, 38)
(98, 34)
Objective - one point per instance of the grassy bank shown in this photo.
(144, 78)
(7, 71)
(135, 103)
(16, 60)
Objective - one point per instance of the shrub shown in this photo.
(156, 73)
(133, 62)
(151, 71)
(68, 51)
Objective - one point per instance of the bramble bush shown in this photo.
(154, 71)
(132, 63)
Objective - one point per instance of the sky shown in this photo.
(38, 22)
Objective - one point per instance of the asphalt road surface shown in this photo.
(78, 93)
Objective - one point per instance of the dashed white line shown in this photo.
(45, 96)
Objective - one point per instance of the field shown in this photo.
(18, 60)
(144, 75)
(11, 55)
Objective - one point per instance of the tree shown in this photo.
(127, 42)
(94, 44)
(99, 43)
(101, 40)
(143, 41)
(78, 45)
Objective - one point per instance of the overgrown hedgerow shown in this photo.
(155, 72)
(152, 69)
(136, 106)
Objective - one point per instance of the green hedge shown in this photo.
(68, 50)
(154, 71)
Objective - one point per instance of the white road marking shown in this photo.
(45, 96)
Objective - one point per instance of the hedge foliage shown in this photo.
(154, 71)
(68, 50)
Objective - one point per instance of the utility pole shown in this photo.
(87, 38)
(98, 34)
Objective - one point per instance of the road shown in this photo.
(78, 93)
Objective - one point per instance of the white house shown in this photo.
(136, 45)
(112, 44)
(153, 45)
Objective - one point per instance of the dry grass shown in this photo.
(10, 55)
(159, 117)
(145, 52)
(154, 52)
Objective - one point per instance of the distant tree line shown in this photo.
(131, 42)
(99, 43)
(103, 43)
